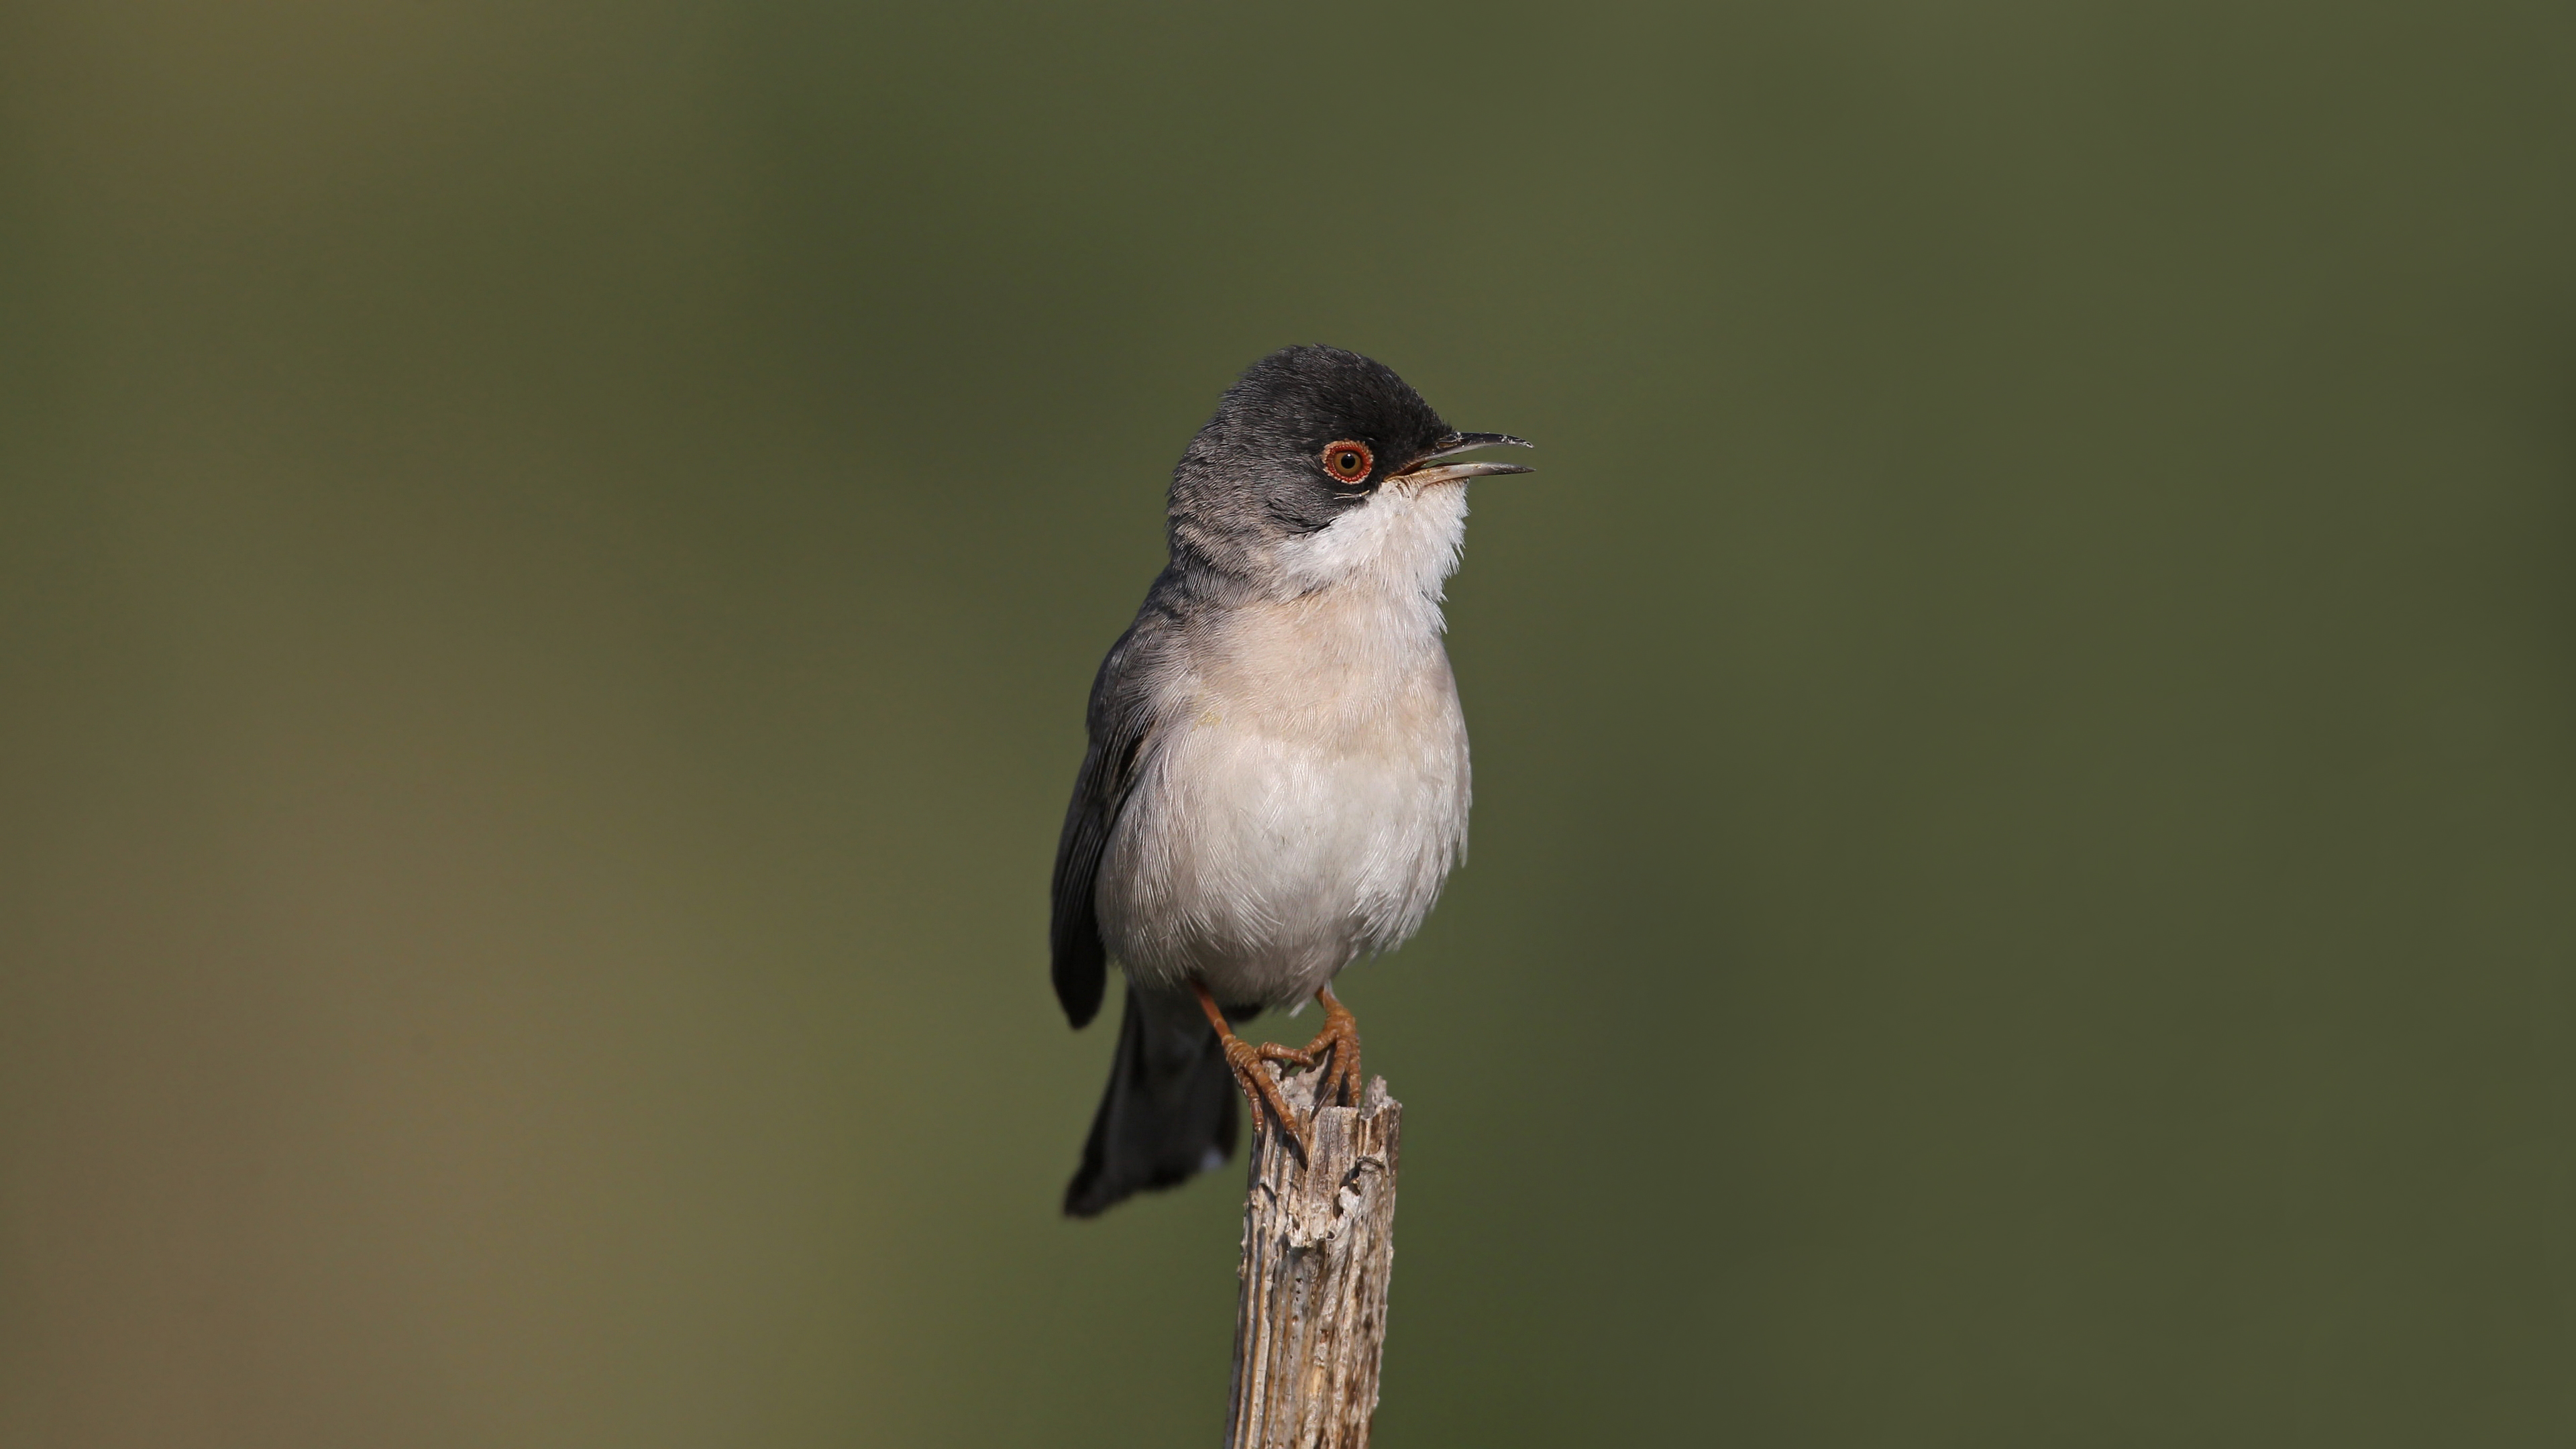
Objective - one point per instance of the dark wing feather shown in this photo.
(1121, 721)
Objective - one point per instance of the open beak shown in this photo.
(1421, 474)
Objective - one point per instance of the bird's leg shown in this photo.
(1336, 1048)
(1257, 1084)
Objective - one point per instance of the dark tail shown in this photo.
(1169, 1112)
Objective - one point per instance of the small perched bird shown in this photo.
(1276, 783)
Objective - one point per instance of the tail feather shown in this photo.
(1169, 1112)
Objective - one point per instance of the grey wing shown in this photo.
(1121, 721)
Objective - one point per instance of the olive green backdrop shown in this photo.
(2025, 873)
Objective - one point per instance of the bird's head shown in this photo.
(1323, 467)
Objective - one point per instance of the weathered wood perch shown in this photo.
(1318, 1249)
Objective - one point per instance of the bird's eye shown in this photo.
(1348, 461)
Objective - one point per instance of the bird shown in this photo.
(1275, 782)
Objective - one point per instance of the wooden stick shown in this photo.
(1318, 1249)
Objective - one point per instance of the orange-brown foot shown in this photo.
(1257, 1084)
(1335, 1050)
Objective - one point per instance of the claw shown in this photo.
(1335, 1052)
(1257, 1084)
(1263, 1089)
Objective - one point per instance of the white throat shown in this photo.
(1401, 545)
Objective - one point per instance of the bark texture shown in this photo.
(1318, 1249)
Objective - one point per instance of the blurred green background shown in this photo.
(2025, 871)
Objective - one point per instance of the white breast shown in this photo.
(1307, 789)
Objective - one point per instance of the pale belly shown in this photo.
(1262, 861)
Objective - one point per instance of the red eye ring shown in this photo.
(1349, 460)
